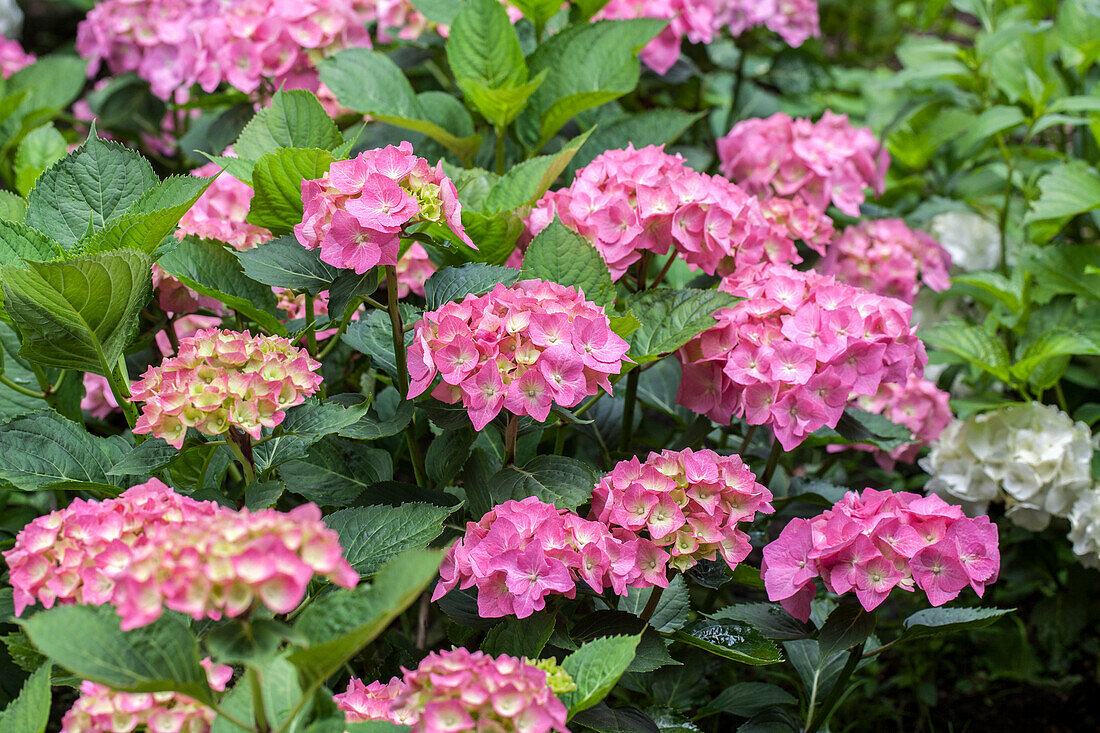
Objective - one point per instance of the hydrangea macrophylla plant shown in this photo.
(627, 202)
(100, 709)
(523, 551)
(795, 351)
(688, 502)
(152, 549)
(460, 690)
(1033, 457)
(887, 257)
(919, 405)
(357, 211)
(223, 379)
(13, 57)
(872, 542)
(175, 44)
(823, 162)
(521, 348)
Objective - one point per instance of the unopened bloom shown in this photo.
(459, 690)
(824, 162)
(887, 257)
(523, 551)
(1033, 457)
(873, 542)
(99, 709)
(152, 549)
(795, 351)
(223, 379)
(688, 502)
(522, 348)
(356, 212)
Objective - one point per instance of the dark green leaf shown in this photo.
(285, 263)
(520, 637)
(940, 621)
(455, 283)
(373, 535)
(336, 471)
(562, 481)
(734, 640)
(30, 712)
(295, 119)
(845, 627)
(277, 178)
(671, 318)
(561, 255)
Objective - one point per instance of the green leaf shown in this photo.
(81, 313)
(213, 270)
(1064, 268)
(30, 712)
(41, 148)
(857, 427)
(652, 127)
(734, 640)
(940, 621)
(595, 668)
(1052, 345)
(337, 625)
(994, 120)
(146, 459)
(277, 179)
(845, 627)
(972, 345)
(455, 283)
(560, 255)
(559, 480)
(745, 699)
(51, 83)
(484, 54)
(671, 318)
(150, 219)
(500, 106)
(350, 286)
(12, 206)
(373, 336)
(389, 415)
(314, 419)
(285, 263)
(43, 450)
(280, 688)
(447, 454)
(295, 119)
(770, 619)
(368, 82)
(516, 637)
(604, 719)
(672, 609)
(525, 183)
(372, 535)
(1068, 190)
(96, 182)
(538, 11)
(87, 641)
(336, 471)
(439, 11)
(573, 82)
(19, 241)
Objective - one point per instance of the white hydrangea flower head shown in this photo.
(973, 241)
(1084, 530)
(1033, 457)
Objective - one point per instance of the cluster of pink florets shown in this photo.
(919, 405)
(413, 270)
(795, 351)
(223, 379)
(794, 220)
(887, 257)
(174, 44)
(522, 348)
(152, 548)
(99, 709)
(356, 212)
(13, 57)
(822, 162)
(687, 502)
(795, 21)
(876, 541)
(523, 551)
(460, 690)
(221, 211)
(629, 201)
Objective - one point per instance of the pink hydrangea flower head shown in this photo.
(356, 212)
(694, 19)
(919, 405)
(872, 542)
(522, 348)
(176, 44)
(152, 549)
(13, 57)
(887, 257)
(221, 380)
(628, 202)
(823, 162)
(99, 709)
(795, 351)
(221, 211)
(523, 551)
(795, 21)
(460, 690)
(792, 219)
(413, 270)
(687, 502)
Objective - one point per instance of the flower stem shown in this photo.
(121, 391)
(394, 309)
(258, 711)
(510, 437)
(20, 388)
(241, 445)
(773, 461)
(311, 332)
(814, 722)
(748, 439)
(651, 604)
(628, 409)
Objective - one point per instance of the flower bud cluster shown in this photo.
(887, 257)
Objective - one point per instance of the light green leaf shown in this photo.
(503, 105)
(671, 318)
(525, 183)
(1068, 190)
(994, 120)
(41, 148)
(51, 83)
(538, 11)
(1052, 345)
(285, 263)
(96, 182)
(940, 621)
(277, 179)
(19, 241)
(43, 450)
(213, 270)
(485, 57)
(338, 625)
(150, 219)
(560, 255)
(372, 535)
(12, 206)
(81, 313)
(595, 668)
(30, 712)
(734, 640)
(494, 234)
(1064, 268)
(559, 480)
(295, 119)
(280, 688)
(87, 641)
(439, 11)
(972, 345)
